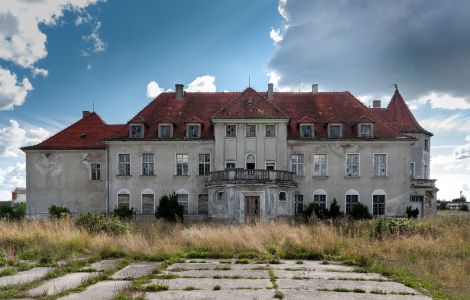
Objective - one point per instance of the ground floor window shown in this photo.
(378, 205)
(351, 201)
(183, 200)
(95, 171)
(320, 199)
(299, 204)
(202, 207)
(148, 204)
(123, 200)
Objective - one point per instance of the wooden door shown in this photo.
(252, 209)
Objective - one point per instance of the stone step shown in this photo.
(136, 270)
(59, 284)
(210, 283)
(106, 264)
(223, 274)
(102, 290)
(210, 295)
(25, 276)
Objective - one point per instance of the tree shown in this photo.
(169, 209)
(360, 211)
(334, 211)
(314, 208)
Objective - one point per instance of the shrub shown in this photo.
(169, 208)
(124, 212)
(15, 212)
(360, 211)
(394, 226)
(464, 207)
(99, 223)
(412, 213)
(334, 211)
(315, 208)
(58, 212)
(442, 205)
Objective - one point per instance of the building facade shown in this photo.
(239, 156)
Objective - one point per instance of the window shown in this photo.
(426, 144)
(123, 199)
(193, 131)
(299, 204)
(148, 204)
(412, 170)
(164, 131)
(147, 164)
(352, 165)
(351, 201)
(425, 172)
(378, 205)
(319, 165)
(181, 164)
(137, 131)
(250, 161)
(380, 165)
(416, 198)
(202, 207)
(297, 164)
(306, 130)
(282, 196)
(95, 171)
(270, 130)
(230, 130)
(229, 165)
(250, 130)
(124, 165)
(270, 165)
(334, 131)
(365, 130)
(204, 164)
(183, 200)
(220, 196)
(320, 199)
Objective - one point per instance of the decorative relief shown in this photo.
(49, 164)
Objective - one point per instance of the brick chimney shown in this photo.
(85, 113)
(315, 88)
(179, 91)
(270, 91)
(376, 104)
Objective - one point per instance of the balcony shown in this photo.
(423, 183)
(244, 176)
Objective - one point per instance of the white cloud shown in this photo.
(14, 136)
(205, 83)
(89, 67)
(275, 35)
(98, 44)
(463, 152)
(40, 71)
(153, 89)
(441, 100)
(11, 177)
(83, 18)
(12, 92)
(455, 122)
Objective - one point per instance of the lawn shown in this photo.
(429, 254)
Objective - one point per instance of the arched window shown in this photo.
(378, 202)
(250, 161)
(352, 198)
(183, 199)
(282, 196)
(148, 202)
(124, 198)
(319, 197)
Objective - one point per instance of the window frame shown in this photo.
(266, 130)
(123, 192)
(189, 125)
(325, 164)
(350, 193)
(359, 132)
(321, 192)
(246, 160)
(119, 163)
(234, 133)
(246, 130)
(152, 173)
(198, 204)
(297, 164)
(230, 162)
(330, 125)
(377, 193)
(426, 145)
(95, 178)
(204, 164)
(374, 165)
(425, 171)
(358, 166)
(131, 132)
(298, 195)
(182, 167)
(270, 162)
(312, 125)
(147, 192)
(186, 208)
(170, 130)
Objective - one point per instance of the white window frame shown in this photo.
(146, 192)
(192, 125)
(313, 130)
(246, 130)
(130, 164)
(358, 166)
(142, 164)
(121, 192)
(340, 130)
(230, 162)
(326, 165)
(351, 192)
(425, 171)
(386, 164)
(160, 125)
(131, 126)
(266, 130)
(379, 193)
(246, 156)
(412, 170)
(204, 163)
(269, 162)
(297, 164)
(359, 130)
(91, 172)
(176, 164)
(236, 129)
(183, 192)
(322, 193)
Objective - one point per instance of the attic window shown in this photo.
(335, 131)
(306, 130)
(193, 131)
(137, 131)
(365, 130)
(83, 135)
(164, 131)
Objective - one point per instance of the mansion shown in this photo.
(238, 156)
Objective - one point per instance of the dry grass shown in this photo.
(437, 258)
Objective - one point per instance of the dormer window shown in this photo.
(306, 130)
(164, 131)
(335, 131)
(137, 131)
(365, 130)
(193, 131)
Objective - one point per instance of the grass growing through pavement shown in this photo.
(431, 254)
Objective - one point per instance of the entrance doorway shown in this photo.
(252, 213)
(417, 202)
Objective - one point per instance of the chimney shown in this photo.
(315, 88)
(179, 91)
(270, 91)
(376, 104)
(86, 113)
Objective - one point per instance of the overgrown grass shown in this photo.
(424, 254)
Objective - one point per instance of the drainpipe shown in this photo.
(107, 180)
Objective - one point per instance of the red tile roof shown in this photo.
(86, 133)
(399, 115)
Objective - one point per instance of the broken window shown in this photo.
(380, 165)
(352, 165)
(124, 165)
(204, 164)
(319, 165)
(182, 164)
(306, 130)
(230, 130)
(95, 171)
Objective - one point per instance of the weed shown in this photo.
(155, 287)
(217, 287)
(278, 295)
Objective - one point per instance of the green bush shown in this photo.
(315, 208)
(412, 213)
(14, 212)
(442, 205)
(334, 211)
(464, 207)
(99, 223)
(58, 212)
(360, 212)
(394, 226)
(169, 209)
(124, 212)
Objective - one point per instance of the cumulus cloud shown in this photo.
(40, 71)
(153, 89)
(441, 100)
(275, 35)
(463, 152)
(11, 177)
(364, 46)
(14, 136)
(12, 92)
(455, 122)
(205, 83)
(98, 44)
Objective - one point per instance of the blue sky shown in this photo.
(58, 57)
